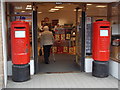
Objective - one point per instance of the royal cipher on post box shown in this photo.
(101, 48)
(20, 51)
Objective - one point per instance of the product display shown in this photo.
(64, 41)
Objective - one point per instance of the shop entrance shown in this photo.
(22, 11)
(67, 23)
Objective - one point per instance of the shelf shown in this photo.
(114, 59)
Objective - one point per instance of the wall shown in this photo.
(67, 17)
(1, 55)
(115, 21)
(62, 1)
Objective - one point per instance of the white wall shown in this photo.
(4, 39)
(115, 21)
(114, 68)
(68, 17)
(62, 0)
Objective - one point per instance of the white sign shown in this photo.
(19, 34)
(103, 32)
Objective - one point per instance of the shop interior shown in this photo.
(65, 21)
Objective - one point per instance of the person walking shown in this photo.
(46, 41)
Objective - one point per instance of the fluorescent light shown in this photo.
(59, 7)
(22, 11)
(101, 6)
(78, 10)
(51, 11)
(89, 4)
(54, 9)
(39, 12)
(29, 8)
(18, 7)
(59, 3)
(29, 5)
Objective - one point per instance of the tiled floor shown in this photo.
(65, 80)
(63, 63)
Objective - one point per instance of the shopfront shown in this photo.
(73, 34)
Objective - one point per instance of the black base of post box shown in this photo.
(20, 73)
(100, 69)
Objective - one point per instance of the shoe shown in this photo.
(46, 62)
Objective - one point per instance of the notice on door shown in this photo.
(19, 34)
(103, 32)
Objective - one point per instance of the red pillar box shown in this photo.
(65, 49)
(20, 51)
(20, 42)
(101, 41)
(101, 48)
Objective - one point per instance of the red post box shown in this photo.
(101, 48)
(101, 41)
(20, 42)
(20, 51)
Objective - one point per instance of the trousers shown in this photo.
(46, 49)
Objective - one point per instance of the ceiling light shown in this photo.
(59, 7)
(101, 6)
(39, 12)
(22, 11)
(18, 7)
(51, 11)
(59, 3)
(28, 8)
(78, 10)
(29, 5)
(89, 4)
(54, 9)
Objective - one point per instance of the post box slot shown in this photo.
(104, 26)
(19, 27)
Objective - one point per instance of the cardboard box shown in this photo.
(115, 52)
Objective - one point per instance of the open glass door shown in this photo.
(80, 39)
